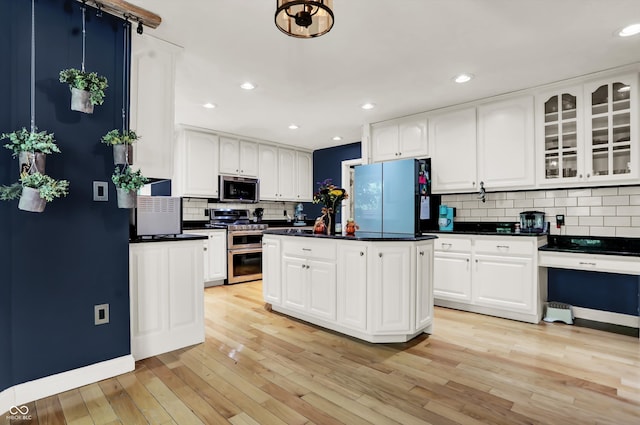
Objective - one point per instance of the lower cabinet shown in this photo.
(166, 297)
(376, 291)
(215, 256)
(494, 275)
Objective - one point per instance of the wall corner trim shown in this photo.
(65, 381)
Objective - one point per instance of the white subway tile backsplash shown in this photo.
(628, 232)
(591, 221)
(602, 231)
(470, 204)
(578, 211)
(496, 212)
(629, 190)
(556, 194)
(617, 221)
(535, 195)
(566, 202)
(516, 195)
(604, 211)
(506, 203)
(497, 195)
(615, 200)
(604, 191)
(634, 200)
(589, 201)
(634, 210)
(579, 193)
(543, 202)
(577, 230)
(571, 221)
(523, 203)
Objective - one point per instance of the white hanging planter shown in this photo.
(81, 101)
(126, 198)
(32, 162)
(31, 200)
(123, 154)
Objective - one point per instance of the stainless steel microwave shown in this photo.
(239, 189)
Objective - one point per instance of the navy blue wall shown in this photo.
(75, 254)
(327, 165)
(600, 291)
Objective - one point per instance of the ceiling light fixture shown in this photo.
(293, 127)
(368, 106)
(209, 105)
(629, 30)
(304, 18)
(247, 86)
(337, 138)
(462, 78)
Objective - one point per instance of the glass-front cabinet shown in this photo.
(611, 137)
(560, 125)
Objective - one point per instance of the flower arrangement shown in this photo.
(329, 195)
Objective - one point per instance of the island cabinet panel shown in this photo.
(391, 293)
(167, 300)
(352, 285)
(378, 291)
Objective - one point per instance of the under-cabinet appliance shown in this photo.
(157, 215)
(244, 243)
(532, 222)
(239, 189)
(395, 197)
(445, 218)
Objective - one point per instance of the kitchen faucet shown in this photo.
(482, 194)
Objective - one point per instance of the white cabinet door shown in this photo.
(268, 167)
(352, 285)
(506, 149)
(384, 141)
(186, 300)
(287, 177)
(391, 292)
(152, 105)
(197, 165)
(424, 285)
(453, 140)
(504, 282)
(294, 283)
(229, 156)
(412, 137)
(305, 176)
(452, 276)
(321, 278)
(248, 158)
(271, 280)
(215, 254)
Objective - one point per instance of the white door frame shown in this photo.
(346, 166)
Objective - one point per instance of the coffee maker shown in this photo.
(445, 218)
(257, 215)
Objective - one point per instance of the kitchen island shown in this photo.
(373, 286)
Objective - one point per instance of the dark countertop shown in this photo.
(202, 225)
(629, 247)
(491, 228)
(167, 238)
(359, 236)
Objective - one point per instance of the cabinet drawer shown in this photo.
(452, 244)
(505, 246)
(312, 249)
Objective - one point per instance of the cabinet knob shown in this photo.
(580, 176)
(205, 248)
(467, 260)
(237, 170)
(473, 183)
(588, 175)
(380, 254)
(422, 253)
(361, 253)
(476, 261)
(264, 244)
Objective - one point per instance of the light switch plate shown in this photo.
(100, 191)
(101, 314)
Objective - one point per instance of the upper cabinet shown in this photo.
(400, 138)
(587, 135)
(196, 171)
(304, 162)
(238, 157)
(152, 104)
(285, 174)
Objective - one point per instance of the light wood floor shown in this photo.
(258, 367)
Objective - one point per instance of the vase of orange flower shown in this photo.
(330, 196)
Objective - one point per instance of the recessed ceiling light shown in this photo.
(337, 138)
(629, 30)
(368, 106)
(209, 105)
(247, 86)
(462, 78)
(293, 127)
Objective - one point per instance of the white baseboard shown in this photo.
(65, 381)
(606, 317)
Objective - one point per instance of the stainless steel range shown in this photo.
(244, 243)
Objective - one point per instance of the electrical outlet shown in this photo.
(101, 314)
(100, 191)
(285, 213)
(559, 220)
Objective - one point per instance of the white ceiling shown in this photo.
(400, 55)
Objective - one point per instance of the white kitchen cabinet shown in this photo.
(352, 285)
(391, 293)
(506, 148)
(215, 255)
(424, 285)
(153, 64)
(453, 142)
(287, 177)
(238, 157)
(167, 300)
(268, 172)
(304, 171)
(271, 277)
(294, 283)
(285, 174)
(495, 275)
(321, 276)
(196, 171)
(400, 138)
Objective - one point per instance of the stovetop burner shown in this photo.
(232, 220)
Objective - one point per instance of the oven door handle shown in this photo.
(244, 250)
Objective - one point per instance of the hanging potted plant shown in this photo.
(87, 89)
(31, 148)
(127, 184)
(121, 142)
(34, 191)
